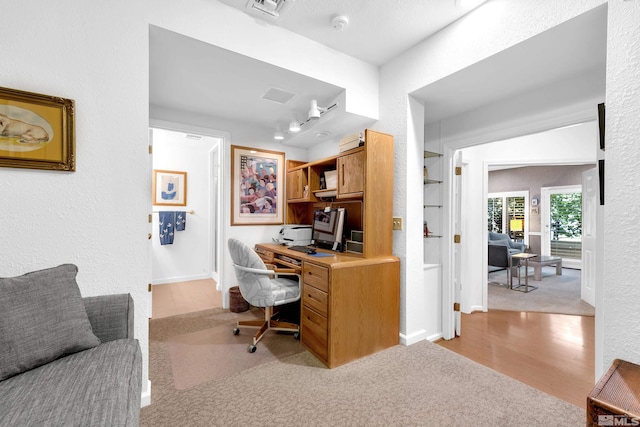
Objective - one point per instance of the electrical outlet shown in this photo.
(397, 223)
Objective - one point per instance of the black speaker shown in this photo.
(601, 124)
(601, 177)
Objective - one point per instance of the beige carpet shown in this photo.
(419, 385)
(555, 294)
(207, 353)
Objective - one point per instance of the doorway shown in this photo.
(193, 256)
(561, 224)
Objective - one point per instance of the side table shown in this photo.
(527, 287)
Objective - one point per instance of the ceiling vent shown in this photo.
(269, 8)
(278, 95)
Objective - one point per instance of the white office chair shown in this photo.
(263, 287)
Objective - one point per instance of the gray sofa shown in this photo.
(504, 240)
(66, 360)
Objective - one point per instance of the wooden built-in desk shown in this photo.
(350, 305)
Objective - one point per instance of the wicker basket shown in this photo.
(237, 303)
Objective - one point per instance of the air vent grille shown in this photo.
(278, 95)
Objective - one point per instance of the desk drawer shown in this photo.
(315, 299)
(313, 332)
(316, 276)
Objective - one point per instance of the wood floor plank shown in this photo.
(551, 352)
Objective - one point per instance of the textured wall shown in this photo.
(618, 328)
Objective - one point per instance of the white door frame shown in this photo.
(216, 165)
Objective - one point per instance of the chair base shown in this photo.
(265, 325)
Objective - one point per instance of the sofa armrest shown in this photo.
(111, 316)
(517, 245)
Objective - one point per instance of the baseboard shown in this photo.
(475, 308)
(434, 337)
(413, 338)
(180, 279)
(146, 396)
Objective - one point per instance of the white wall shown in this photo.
(493, 27)
(97, 54)
(190, 257)
(618, 329)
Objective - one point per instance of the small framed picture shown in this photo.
(169, 188)
(36, 131)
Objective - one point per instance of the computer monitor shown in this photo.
(328, 226)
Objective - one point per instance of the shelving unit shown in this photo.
(364, 188)
(432, 208)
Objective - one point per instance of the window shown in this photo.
(507, 213)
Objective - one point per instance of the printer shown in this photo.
(294, 235)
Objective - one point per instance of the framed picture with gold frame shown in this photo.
(36, 131)
(169, 188)
(257, 181)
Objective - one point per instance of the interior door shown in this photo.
(590, 257)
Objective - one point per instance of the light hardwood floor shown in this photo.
(554, 353)
(551, 352)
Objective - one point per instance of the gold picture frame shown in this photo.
(257, 183)
(36, 131)
(169, 188)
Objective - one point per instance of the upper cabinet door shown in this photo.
(351, 173)
(296, 180)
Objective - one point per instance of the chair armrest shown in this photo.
(111, 316)
(253, 270)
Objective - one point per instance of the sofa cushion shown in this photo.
(96, 387)
(43, 318)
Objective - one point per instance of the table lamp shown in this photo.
(516, 225)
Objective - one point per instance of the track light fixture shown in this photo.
(294, 126)
(315, 112)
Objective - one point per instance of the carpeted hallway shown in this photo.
(200, 377)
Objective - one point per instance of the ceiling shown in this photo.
(377, 30)
(187, 74)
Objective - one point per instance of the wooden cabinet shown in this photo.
(350, 306)
(296, 181)
(351, 175)
(364, 189)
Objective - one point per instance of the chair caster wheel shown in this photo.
(296, 335)
(236, 331)
(252, 349)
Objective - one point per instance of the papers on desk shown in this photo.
(321, 254)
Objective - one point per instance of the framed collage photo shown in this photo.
(256, 186)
